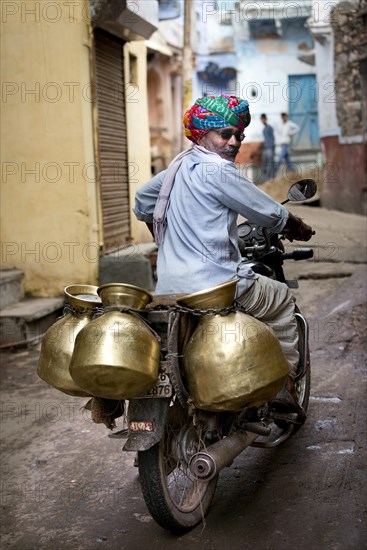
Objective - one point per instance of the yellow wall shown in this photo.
(138, 137)
(49, 198)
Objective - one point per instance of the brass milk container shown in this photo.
(116, 356)
(58, 342)
(231, 361)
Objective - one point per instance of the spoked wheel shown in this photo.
(176, 499)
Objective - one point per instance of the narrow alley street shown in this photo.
(66, 484)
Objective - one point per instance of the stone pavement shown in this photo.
(340, 236)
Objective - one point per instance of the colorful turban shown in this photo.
(212, 112)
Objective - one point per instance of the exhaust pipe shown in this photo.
(207, 464)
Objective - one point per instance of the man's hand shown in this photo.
(297, 230)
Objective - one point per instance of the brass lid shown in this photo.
(121, 294)
(82, 296)
(215, 297)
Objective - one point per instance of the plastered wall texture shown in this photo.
(350, 63)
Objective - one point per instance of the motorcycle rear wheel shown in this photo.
(176, 499)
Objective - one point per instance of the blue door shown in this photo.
(303, 99)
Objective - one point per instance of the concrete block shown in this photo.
(28, 319)
(10, 286)
(119, 268)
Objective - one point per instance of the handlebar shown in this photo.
(256, 248)
(298, 254)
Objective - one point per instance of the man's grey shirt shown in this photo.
(200, 245)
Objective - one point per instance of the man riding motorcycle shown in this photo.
(192, 208)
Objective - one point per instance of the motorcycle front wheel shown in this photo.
(176, 499)
(303, 378)
(303, 381)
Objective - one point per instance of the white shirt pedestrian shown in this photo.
(287, 130)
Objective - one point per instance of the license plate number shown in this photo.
(163, 388)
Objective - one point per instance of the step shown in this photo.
(305, 158)
(10, 286)
(28, 320)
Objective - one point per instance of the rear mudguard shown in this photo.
(146, 420)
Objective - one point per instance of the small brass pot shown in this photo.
(232, 362)
(116, 356)
(58, 342)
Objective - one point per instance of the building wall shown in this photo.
(263, 70)
(166, 129)
(262, 64)
(324, 55)
(137, 128)
(49, 194)
(350, 37)
(344, 175)
(341, 63)
(154, 115)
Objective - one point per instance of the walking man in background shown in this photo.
(268, 150)
(287, 130)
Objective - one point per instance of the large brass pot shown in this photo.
(124, 295)
(211, 298)
(232, 362)
(116, 356)
(58, 342)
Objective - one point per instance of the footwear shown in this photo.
(121, 434)
(286, 401)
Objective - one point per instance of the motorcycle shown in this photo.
(181, 447)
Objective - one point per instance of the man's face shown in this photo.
(226, 142)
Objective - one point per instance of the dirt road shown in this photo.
(66, 484)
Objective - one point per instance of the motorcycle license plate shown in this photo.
(163, 388)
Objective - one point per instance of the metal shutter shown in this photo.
(113, 163)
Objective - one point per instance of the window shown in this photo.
(263, 28)
(169, 9)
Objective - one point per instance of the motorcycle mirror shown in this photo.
(302, 190)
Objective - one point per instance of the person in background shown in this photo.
(287, 129)
(268, 150)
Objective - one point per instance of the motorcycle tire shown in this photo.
(303, 383)
(176, 499)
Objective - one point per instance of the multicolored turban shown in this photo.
(215, 111)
